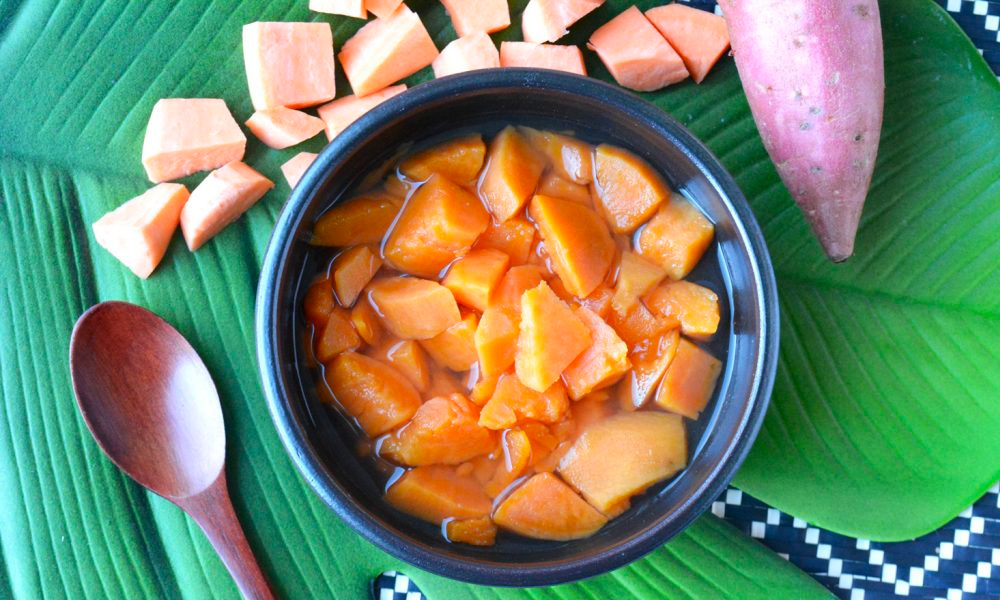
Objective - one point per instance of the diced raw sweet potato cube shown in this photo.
(496, 339)
(468, 53)
(600, 365)
(348, 8)
(295, 167)
(336, 336)
(186, 135)
(475, 532)
(629, 189)
(512, 172)
(439, 223)
(516, 447)
(138, 232)
(650, 361)
(676, 237)
(374, 393)
(571, 158)
(289, 64)
(360, 220)
(352, 271)
(221, 198)
(340, 113)
(700, 37)
(546, 508)
(283, 127)
(455, 347)
(473, 277)
(444, 383)
(554, 185)
(577, 241)
(443, 431)
(548, 20)
(514, 237)
(636, 54)
(639, 325)
(469, 16)
(542, 56)
(412, 308)
(551, 336)
(689, 381)
(386, 50)
(515, 282)
(382, 8)
(366, 322)
(408, 358)
(695, 306)
(319, 302)
(623, 455)
(512, 401)
(459, 160)
(435, 493)
(636, 276)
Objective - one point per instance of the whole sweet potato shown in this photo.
(813, 74)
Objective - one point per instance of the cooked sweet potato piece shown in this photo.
(473, 277)
(375, 394)
(361, 220)
(352, 271)
(496, 339)
(676, 237)
(366, 322)
(408, 358)
(623, 455)
(550, 337)
(475, 532)
(455, 347)
(695, 306)
(599, 301)
(570, 158)
(412, 308)
(443, 383)
(546, 508)
(512, 172)
(319, 302)
(688, 384)
(436, 493)
(552, 184)
(439, 223)
(485, 465)
(515, 282)
(459, 160)
(514, 237)
(443, 431)
(483, 389)
(639, 325)
(629, 189)
(636, 276)
(650, 361)
(337, 335)
(543, 442)
(512, 401)
(516, 447)
(600, 365)
(589, 410)
(577, 241)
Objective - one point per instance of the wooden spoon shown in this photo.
(152, 406)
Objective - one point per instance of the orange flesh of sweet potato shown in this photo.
(600, 365)
(375, 394)
(512, 399)
(349, 8)
(557, 57)
(558, 187)
(412, 308)
(443, 431)
(695, 306)
(689, 381)
(439, 222)
(319, 302)
(468, 16)
(435, 493)
(475, 532)
(289, 64)
(590, 410)
(629, 189)
(221, 198)
(636, 276)
(407, 357)
(186, 135)
(485, 465)
(649, 363)
(382, 9)
(455, 347)
(468, 53)
(636, 54)
(336, 336)
(294, 168)
(360, 220)
(570, 158)
(512, 172)
(284, 127)
(623, 455)
(366, 322)
(543, 443)
(599, 301)
(496, 340)
(516, 448)
(676, 237)
(514, 237)
(352, 271)
(340, 113)
(443, 383)
(473, 277)
(639, 325)
(483, 389)
(548, 20)
(700, 37)
(459, 160)
(515, 282)
(577, 241)
(550, 337)
(546, 508)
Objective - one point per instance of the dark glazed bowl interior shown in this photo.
(737, 267)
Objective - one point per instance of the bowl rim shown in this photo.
(311, 466)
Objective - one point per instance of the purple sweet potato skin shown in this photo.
(813, 74)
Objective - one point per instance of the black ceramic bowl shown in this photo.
(737, 266)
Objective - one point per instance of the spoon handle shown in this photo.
(213, 511)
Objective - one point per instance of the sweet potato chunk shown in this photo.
(636, 54)
(639, 325)
(459, 160)
(382, 9)
(570, 158)
(443, 383)
(590, 410)
(349, 8)
(386, 50)
(546, 508)
(515, 282)
(439, 223)
(295, 167)
(468, 53)
(283, 127)
(548, 20)
(550, 337)
(443, 431)
(556, 57)
(473, 277)
(289, 64)
(689, 381)
(366, 322)
(475, 532)
(496, 339)
(412, 308)
(623, 455)
(636, 276)
(695, 306)
(600, 365)
(436, 493)
(221, 198)
(319, 302)
(352, 271)
(516, 448)
(360, 220)
(340, 113)
(512, 401)
(557, 187)
(455, 347)
(468, 16)
(337, 335)
(408, 358)
(186, 135)
(650, 361)
(375, 394)
(599, 301)
(512, 172)
(676, 237)
(483, 389)
(699, 36)
(514, 237)
(577, 241)
(629, 189)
